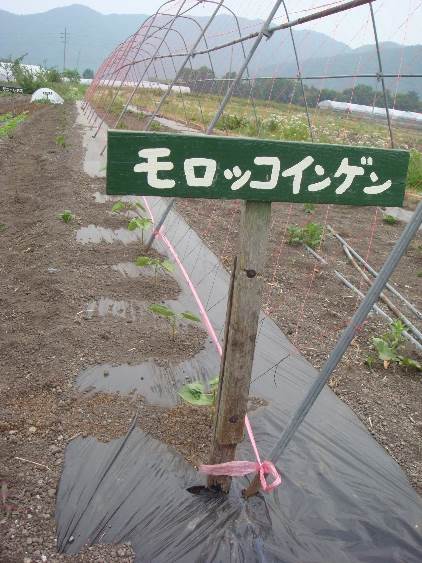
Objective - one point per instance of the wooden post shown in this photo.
(241, 327)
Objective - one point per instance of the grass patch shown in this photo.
(67, 216)
(414, 176)
(389, 220)
(310, 234)
(5, 117)
(60, 140)
(10, 125)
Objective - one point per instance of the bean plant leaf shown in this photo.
(144, 261)
(213, 383)
(134, 224)
(193, 393)
(408, 362)
(385, 352)
(190, 317)
(167, 265)
(162, 310)
(139, 223)
(118, 206)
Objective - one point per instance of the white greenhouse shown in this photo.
(46, 95)
(372, 111)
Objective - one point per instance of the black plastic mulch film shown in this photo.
(343, 499)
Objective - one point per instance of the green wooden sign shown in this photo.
(202, 166)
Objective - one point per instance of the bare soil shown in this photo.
(312, 307)
(47, 280)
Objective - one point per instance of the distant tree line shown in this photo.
(289, 91)
(29, 80)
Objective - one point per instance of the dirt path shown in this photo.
(47, 282)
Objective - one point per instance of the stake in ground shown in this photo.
(233, 168)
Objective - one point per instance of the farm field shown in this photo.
(264, 119)
(52, 281)
(48, 281)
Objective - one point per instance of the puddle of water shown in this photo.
(153, 382)
(129, 269)
(104, 198)
(106, 306)
(95, 234)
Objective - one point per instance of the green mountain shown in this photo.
(396, 59)
(92, 36)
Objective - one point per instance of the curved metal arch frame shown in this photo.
(167, 30)
(151, 20)
(173, 29)
(131, 65)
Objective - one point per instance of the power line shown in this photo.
(64, 37)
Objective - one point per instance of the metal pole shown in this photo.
(377, 309)
(64, 36)
(381, 75)
(375, 273)
(149, 64)
(350, 332)
(263, 32)
(374, 75)
(271, 30)
(344, 342)
(181, 69)
(160, 224)
(164, 97)
(299, 75)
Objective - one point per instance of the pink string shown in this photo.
(231, 468)
(240, 468)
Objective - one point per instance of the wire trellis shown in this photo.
(144, 74)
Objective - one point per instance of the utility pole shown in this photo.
(64, 38)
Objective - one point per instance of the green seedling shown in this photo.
(370, 360)
(123, 206)
(419, 274)
(139, 222)
(156, 263)
(309, 208)
(195, 393)
(155, 126)
(389, 219)
(171, 316)
(3, 227)
(390, 345)
(66, 216)
(61, 141)
(310, 234)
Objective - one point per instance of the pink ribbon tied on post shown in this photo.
(240, 468)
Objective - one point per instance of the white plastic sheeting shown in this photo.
(144, 84)
(369, 111)
(46, 94)
(6, 73)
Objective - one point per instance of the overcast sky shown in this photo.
(397, 20)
